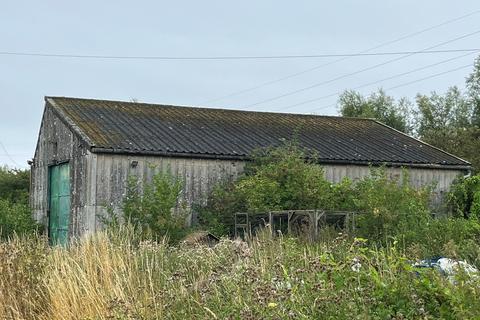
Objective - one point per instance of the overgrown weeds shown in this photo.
(290, 178)
(132, 271)
(115, 275)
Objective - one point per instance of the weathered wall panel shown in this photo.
(440, 179)
(56, 144)
(200, 175)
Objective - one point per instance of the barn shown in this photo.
(87, 148)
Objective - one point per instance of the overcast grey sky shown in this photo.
(217, 28)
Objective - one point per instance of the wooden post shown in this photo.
(353, 223)
(270, 220)
(288, 223)
(236, 231)
(249, 229)
(347, 222)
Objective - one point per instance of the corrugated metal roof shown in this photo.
(128, 127)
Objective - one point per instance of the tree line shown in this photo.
(449, 121)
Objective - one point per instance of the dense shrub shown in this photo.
(15, 214)
(281, 178)
(14, 185)
(216, 216)
(390, 210)
(277, 179)
(389, 207)
(288, 177)
(152, 210)
(15, 218)
(464, 197)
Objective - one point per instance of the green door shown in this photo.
(59, 217)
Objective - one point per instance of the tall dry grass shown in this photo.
(113, 275)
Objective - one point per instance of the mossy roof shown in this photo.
(140, 128)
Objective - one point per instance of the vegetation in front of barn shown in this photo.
(148, 207)
(390, 209)
(15, 214)
(133, 271)
(115, 275)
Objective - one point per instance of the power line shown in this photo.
(375, 82)
(411, 82)
(270, 82)
(357, 72)
(8, 155)
(430, 77)
(333, 55)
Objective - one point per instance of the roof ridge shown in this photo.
(209, 108)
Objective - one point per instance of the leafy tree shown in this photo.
(437, 115)
(473, 91)
(14, 185)
(378, 105)
(448, 122)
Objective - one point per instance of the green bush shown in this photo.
(216, 217)
(464, 197)
(285, 178)
(278, 180)
(152, 210)
(14, 185)
(15, 218)
(389, 207)
(15, 214)
(288, 178)
(389, 210)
